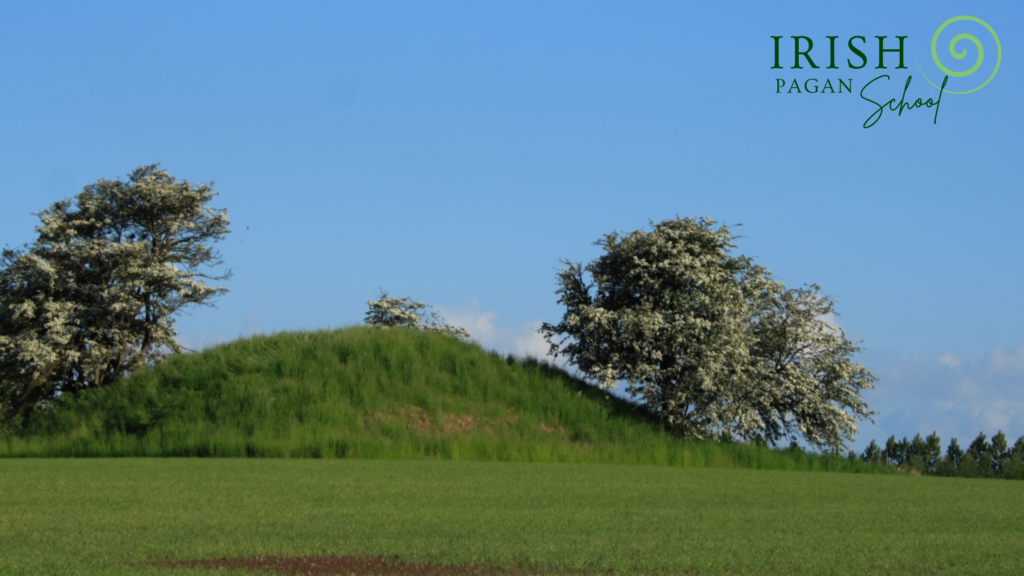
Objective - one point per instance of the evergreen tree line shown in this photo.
(982, 459)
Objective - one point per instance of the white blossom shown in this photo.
(93, 297)
(389, 311)
(708, 340)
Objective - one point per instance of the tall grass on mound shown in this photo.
(374, 393)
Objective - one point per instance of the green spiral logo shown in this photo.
(963, 52)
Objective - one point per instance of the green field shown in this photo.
(365, 392)
(397, 442)
(103, 516)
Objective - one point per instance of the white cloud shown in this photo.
(952, 394)
(951, 360)
(533, 344)
(831, 320)
(521, 341)
(1003, 360)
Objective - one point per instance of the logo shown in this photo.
(856, 56)
(963, 52)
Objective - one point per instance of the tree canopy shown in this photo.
(390, 311)
(709, 340)
(983, 459)
(94, 296)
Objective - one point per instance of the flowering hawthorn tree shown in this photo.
(93, 298)
(389, 311)
(709, 340)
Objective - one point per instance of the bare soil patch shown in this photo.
(422, 423)
(357, 565)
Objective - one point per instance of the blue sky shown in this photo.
(456, 152)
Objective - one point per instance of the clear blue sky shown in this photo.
(456, 152)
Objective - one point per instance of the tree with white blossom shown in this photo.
(389, 311)
(94, 297)
(709, 340)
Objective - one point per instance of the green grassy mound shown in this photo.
(373, 393)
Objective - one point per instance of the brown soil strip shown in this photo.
(355, 565)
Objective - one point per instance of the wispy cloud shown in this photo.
(1006, 361)
(523, 340)
(951, 394)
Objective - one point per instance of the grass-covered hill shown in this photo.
(373, 393)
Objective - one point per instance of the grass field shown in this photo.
(364, 392)
(104, 516)
(365, 441)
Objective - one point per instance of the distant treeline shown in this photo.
(982, 459)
